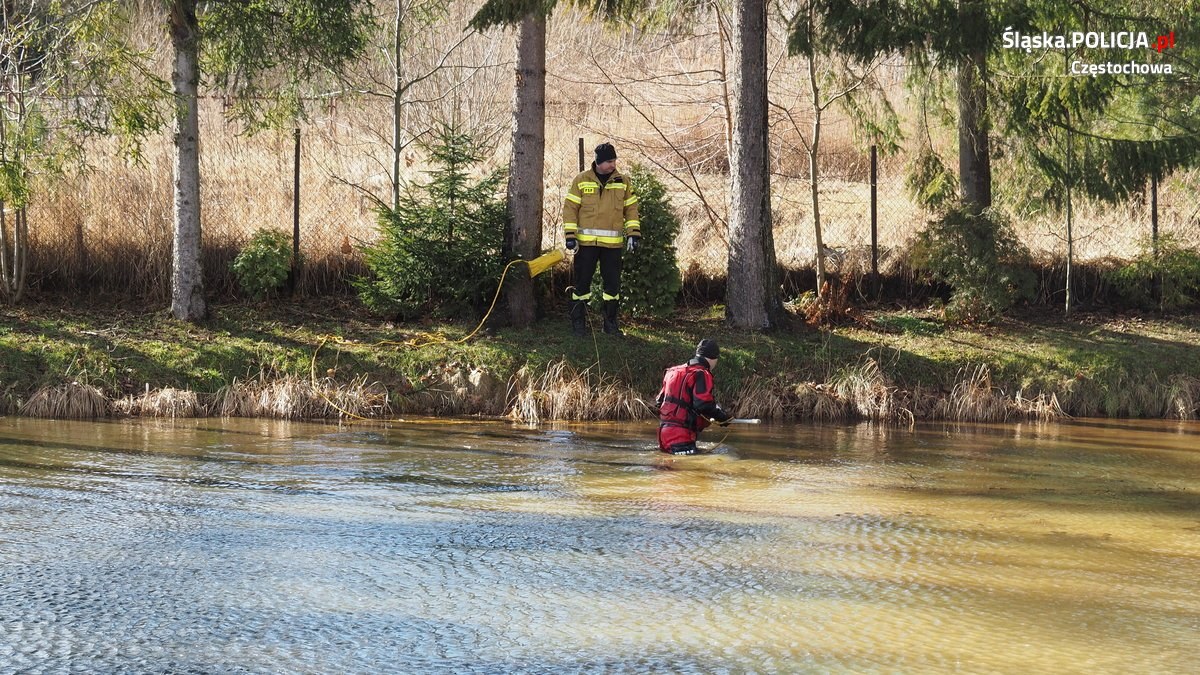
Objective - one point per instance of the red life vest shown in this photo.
(677, 409)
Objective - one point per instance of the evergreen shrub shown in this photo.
(1168, 269)
(439, 251)
(262, 266)
(982, 260)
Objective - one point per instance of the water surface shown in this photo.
(437, 546)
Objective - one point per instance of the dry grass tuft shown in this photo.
(563, 393)
(974, 399)
(922, 402)
(763, 398)
(296, 398)
(356, 399)
(870, 394)
(1183, 397)
(68, 401)
(818, 402)
(455, 389)
(829, 407)
(1082, 396)
(1042, 407)
(168, 402)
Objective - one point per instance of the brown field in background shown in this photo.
(658, 99)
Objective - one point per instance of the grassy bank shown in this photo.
(329, 359)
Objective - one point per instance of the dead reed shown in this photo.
(974, 399)
(819, 403)
(455, 389)
(870, 394)
(561, 392)
(68, 401)
(168, 402)
(1043, 407)
(297, 398)
(1183, 397)
(767, 398)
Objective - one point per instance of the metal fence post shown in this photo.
(875, 220)
(581, 155)
(292, 278)
(1154, 213)
(1156, 282)
(1070, 219)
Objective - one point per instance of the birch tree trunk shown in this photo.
(398, 105)
(187, 281)
(13, 245)
(814, 166)
(5, 260)
(751, 296)
(523, 238)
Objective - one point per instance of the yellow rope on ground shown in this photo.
(312, 371)
(442, 340)
(413, 343)
(433, 339)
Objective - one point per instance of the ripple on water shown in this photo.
(399, 550)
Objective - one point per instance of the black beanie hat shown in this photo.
(605, 152)
(708, 348)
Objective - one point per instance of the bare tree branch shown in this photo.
(694, 185)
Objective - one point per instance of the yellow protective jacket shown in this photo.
(600, 215)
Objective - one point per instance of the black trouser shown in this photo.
(610, 270)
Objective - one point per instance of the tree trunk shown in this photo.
(5, 259)
(523, 237)
(722, 38)
(20, 253)
(814, 167)
(13, 250)
(751, 297)
(4, 264)
(187, 281)
(398, 106)
(974, 162)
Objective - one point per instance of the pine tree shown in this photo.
(438, 252)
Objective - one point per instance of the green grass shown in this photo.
(123, 352)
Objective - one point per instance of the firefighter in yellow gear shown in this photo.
(600, 218)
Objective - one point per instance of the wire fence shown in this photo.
(660, 97)
(110, 228)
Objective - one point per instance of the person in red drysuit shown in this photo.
(686, 403)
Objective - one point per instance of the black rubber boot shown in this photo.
(578, 311)
(610, 317)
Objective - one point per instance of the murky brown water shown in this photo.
(247, 546)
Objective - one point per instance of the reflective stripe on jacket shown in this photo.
(600, 213)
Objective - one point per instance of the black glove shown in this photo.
(632, 243)
(722, 418)
(571, 244)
